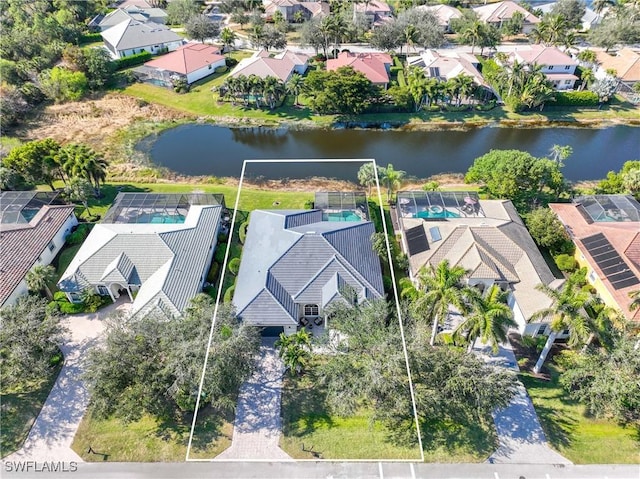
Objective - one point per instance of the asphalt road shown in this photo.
(317, 470)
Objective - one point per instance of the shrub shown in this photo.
(90, 38)
(234, 266)
(231, 62)
(228, 294)
(576, 98)
(397, 62)
(92, 301)
(221, 69)
(536, 342)
(223, 238)
(402, 82)
(243, 231)
(566, 263)
(487, 106)
(387, 283)
(514, 104)
(80, 233)
(394, 70)
(133, 60)
(67, 307)
(219, 254)
(60, 296)
(56, 359)
(212, 275)
(308, 205)
(53, 307)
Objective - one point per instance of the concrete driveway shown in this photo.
(520, 435)
(53, 431)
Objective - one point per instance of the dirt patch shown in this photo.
(93, 122)
(527, 356)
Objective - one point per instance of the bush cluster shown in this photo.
(133, 60)
(243, 231)
(79, 234)
(90, 38)
(576, 98)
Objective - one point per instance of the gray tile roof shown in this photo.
(130, 34)
(294, 264)
(168, 260)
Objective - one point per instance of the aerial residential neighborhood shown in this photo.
(283, 238)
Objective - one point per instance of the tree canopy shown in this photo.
(547, 230)
(516, 175)
(341, 91)
(30, 337)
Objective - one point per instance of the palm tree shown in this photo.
(443, 287)
(473, 34)
(606, 324)
(566, 313)
(489, 320)
(410, 35)
(38, 277)
(294, 86)
(295, 351)
(635, 296)
(367, 175)
(465, 86)
(587, 76)
(272, 89)
(81, 161)
(631, 181)
(228, 38)
(392, 179)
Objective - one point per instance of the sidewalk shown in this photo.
(53, 431)
(520, 435)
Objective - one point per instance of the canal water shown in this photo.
(196, 149)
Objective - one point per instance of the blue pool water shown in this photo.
(156, 218)
(436, 214)
(341, 216)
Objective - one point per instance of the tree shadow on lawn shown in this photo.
(457, 437)
(208, 429)
(303, 407)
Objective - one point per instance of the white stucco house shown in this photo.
(133, 36)
(154, 249)
(194, 61)
(33, 229)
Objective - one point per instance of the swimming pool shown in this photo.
(435, 213)
(341, 216)
(156, 218)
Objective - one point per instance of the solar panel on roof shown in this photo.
(615, 268)
(416, 240)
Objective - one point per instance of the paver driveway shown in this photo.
(52, 433)
(521, 438)
(257, 427)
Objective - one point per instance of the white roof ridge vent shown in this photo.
(309, 232)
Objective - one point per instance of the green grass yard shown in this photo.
(580, 439)
(19, 408)
(149, 440)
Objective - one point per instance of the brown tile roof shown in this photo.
(623, 236)
(21, 247)
(501, 11)
(626, 64)
(188, 58)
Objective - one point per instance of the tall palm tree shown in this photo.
(588, 77)
(294, 86)
(81, 161)
(392, 179)
(443, 287)
(465, 87)
(38, 277)
(473, 34)
(489, 320)
(367, 175)
(567, 313)
(228, 38)
(606, 323)
(272, 89)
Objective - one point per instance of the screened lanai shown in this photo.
(157, 207)
(19, 207)
(344, 202)
(439, 205)
(608, 208)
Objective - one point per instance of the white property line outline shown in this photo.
(396, 297)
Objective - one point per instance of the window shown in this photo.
(593, 277)
(75, 297)
(103, 290)
(567, 82)
(541, 330)
(209, 66)
(550, 67)
(52, 246)
(311, 310)
(567, 67)
(565, 332)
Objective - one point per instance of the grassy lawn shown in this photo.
(19, 408)
(307, 423)
(447, 442)
(580, 439)
(149, 440)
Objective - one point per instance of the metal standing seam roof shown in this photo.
(21, 247)
(302, 260)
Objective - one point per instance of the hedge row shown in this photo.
(395, 70)
(401, 80)
(133, 60)
(576, 98)
(90, 38)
